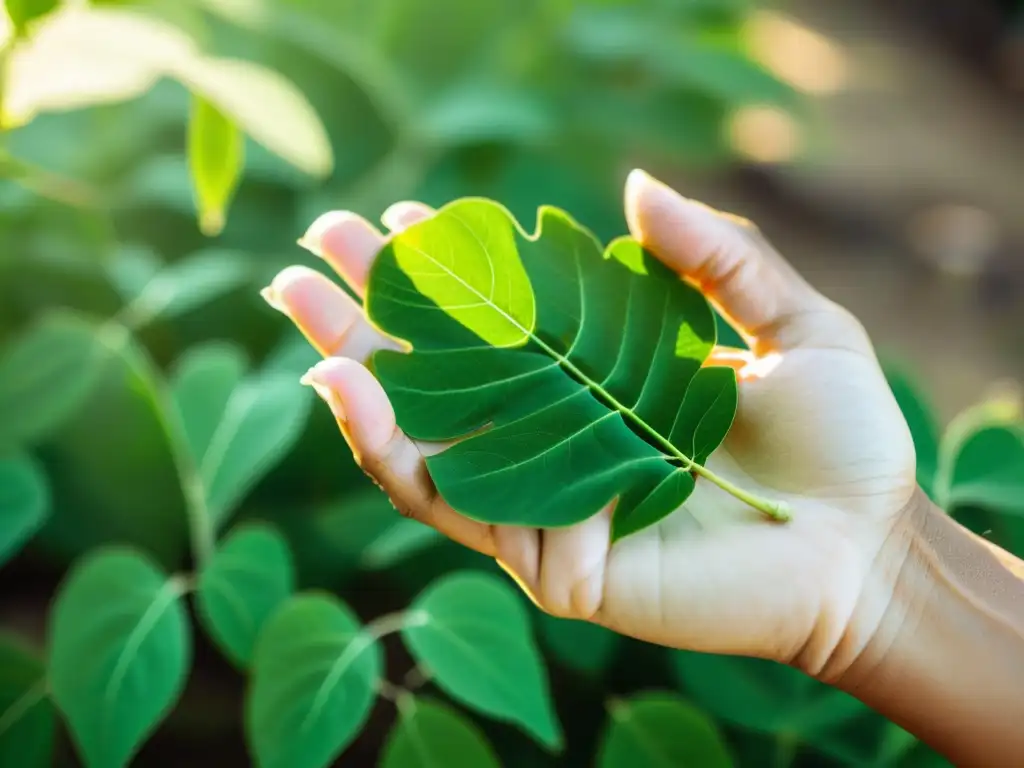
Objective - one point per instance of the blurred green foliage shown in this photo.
(154, 441)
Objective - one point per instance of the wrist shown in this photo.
(936, 643)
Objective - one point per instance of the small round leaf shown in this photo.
(314, 681)
(248, 578)
(472, 632)
(119, 653)
(653, 730)
(26, 715)
(429, 735)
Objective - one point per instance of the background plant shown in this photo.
(193, 567)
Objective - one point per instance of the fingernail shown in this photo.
(312, 240)
(270, 296)
(311, 378)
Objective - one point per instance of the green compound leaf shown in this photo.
(26, 715)
(429, 735)
(580, 372)
(248, 578)
(314, 680)
(24, 502)
(659, 729)
(471, 631)
(120, 650)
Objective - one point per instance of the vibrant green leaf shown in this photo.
(24, 502)
(260, 423)
(566, 393)
(923, 423)
(472, 633)
(24, 12)
(313, 683)
(216, 152)
(189, 283)
(46, 374)
(26, 715)
(764, 696)
(202, 384)
(656, 730)
(120, 649)
(580, 645)
(988, 469)
(430, 735)
(249, 577)
(266, 106)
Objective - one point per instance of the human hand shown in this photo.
(816, 427)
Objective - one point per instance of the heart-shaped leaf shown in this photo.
(657, 729)
(429, 734)
(314, 681)
(471, 631)
(24, 502)
(248, 578)
(46, 373)
(216, 153)
(120, 650)
(26, 715)
(585, 368)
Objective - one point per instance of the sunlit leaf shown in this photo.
(24, 502)
(580, 645)
(472, 633)
(216, 156)
(26, 715)
(313, 682)
(46, 373)
(429, 734)
(120, 649)
(249, 577)
(581, 404)
(266, 106)
(23, 12)
(657, 729)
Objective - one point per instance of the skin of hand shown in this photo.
(817, 426)
(870, 587)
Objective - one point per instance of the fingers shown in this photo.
(769, 302)
(328, 317)
(367, 421)
(349, 243)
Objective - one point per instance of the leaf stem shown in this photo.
(774, 510)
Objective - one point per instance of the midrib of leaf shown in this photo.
(237, 603)
(167, 594)
(419, 744)
(21, 706)
(223, 436)
(471, 650)
(644, 739)
(357, 645)
(773, 509)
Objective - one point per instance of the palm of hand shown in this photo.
(816, 426)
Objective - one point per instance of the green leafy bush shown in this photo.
(190, 558)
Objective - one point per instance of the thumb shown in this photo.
(761, 294)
